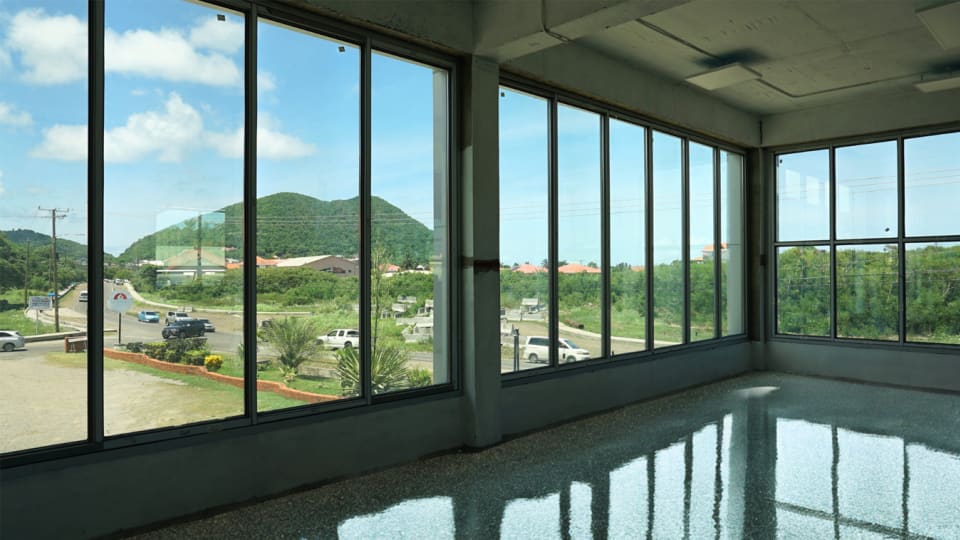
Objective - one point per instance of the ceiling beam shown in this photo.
(508, 29)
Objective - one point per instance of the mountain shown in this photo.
(65, 248)
(293, 225)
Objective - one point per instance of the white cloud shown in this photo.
(53, 49)
(224, 36)
(168, 133)
(10, 116)
(166, 55)
(63, 143)
(266, 82)
(271, 142)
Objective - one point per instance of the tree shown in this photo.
(295, 339)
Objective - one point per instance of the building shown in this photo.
(802, 137)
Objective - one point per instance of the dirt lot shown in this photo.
(43, 402)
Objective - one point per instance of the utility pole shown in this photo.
(55, 214)
(199, 246)
(26, 277)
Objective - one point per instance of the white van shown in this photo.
(537, 349)
(82, 297)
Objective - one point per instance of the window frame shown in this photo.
(901, 240)
(554, 97)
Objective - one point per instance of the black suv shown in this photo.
(183, 328)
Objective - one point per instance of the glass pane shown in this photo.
(578, 231)
(731, 243)
(308, 218)
(867, 292)
(933, 292)
(803, 290)
(803, 196)
(409, 225)
(667, 240)
(703, 253)
(628, 259)
(524, 240)
(932, 184)
(173, 193)
(867, 190)
(43, 188)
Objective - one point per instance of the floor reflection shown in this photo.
(762, 456)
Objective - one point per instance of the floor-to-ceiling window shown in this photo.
(616, 237)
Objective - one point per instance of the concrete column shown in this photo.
(733, 288)
(441, 181)
(480, 248)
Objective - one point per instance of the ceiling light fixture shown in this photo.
(936, 85)
(723, 77)
(943, 22)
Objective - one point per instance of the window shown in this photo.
(634, 215)
(333, 190)
(43, 223)
(848, 285)
(308, 216)
(410, 175)
(704, 254)
(628, 257)
(668, 282)
(173, 194)
(524, 227)
(579, 277)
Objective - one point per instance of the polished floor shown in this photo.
(760, 456)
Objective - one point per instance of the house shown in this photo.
(324, 263)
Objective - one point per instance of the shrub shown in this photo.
(388, 369)
(194, 358)
(295, 340)
(135, 347)
(157, 350)
(177, 349)
(417, 377)
(213, 362)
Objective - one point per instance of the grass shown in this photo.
(318, 385)
(14, 320)
(218, 391)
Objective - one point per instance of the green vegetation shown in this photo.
(14, 320)
(220, 395)
(295, 340)
(867, 293)
(13, 264)
(295, 225)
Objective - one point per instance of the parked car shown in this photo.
(174, 316)
(537, 349)
(341, 338)
(183, 329)
(148, 316)
(10, 340)
(84, 295)
(207, 325)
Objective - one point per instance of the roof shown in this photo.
(574, 268)
(529, 269)
(709, 248)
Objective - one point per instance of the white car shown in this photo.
(341, 338)
(537, 349)
(10, 340)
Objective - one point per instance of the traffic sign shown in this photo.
(41, 302)
(119, 302)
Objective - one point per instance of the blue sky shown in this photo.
(174, 117)
(174, 120)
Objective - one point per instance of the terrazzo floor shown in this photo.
(759, 456)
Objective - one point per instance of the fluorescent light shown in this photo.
(936, 85)
(944, 23)
(723, 77)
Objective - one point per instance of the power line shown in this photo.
(55, 214)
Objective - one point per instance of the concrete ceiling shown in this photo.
(809, 53)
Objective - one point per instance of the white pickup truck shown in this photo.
(341, 338)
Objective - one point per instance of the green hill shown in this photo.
(293, 225)
(65, 248)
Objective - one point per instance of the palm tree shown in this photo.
(295, 340)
